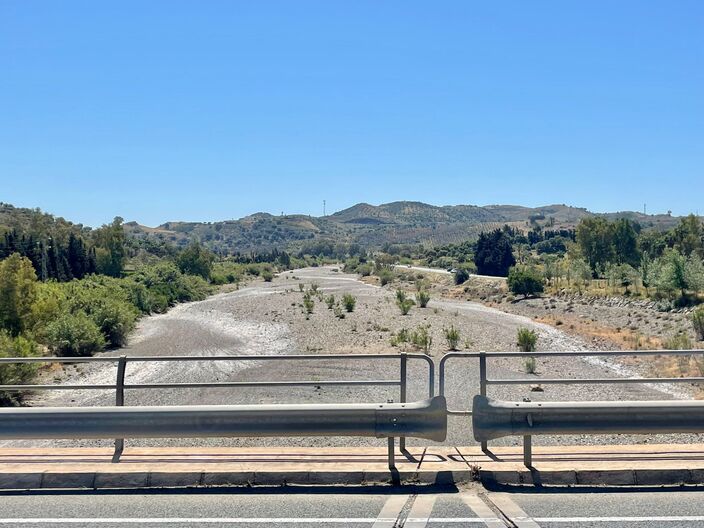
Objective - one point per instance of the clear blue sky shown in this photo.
(208, 110)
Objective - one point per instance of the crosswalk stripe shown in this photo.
(512, 510)
(391, 511)
(420, 512)
(478, 506)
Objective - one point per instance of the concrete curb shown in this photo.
(606, 477)
(170, 467)
(155, 480)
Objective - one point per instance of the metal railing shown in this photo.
(485, 381)
(122, 361)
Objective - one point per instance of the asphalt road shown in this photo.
(429, 507)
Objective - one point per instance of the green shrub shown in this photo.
(115, 319)
(74, 335)
(330, 301)
(365, 270)
(698, 322)
(267, 275)
(452, 336)
(403, 302)
(349, 301)
(308, 303)
(527, 340)
(530, 365)
(525, 282)
(16, 373)
(422, 339)
(338, 312)
(461, 276)
(402, 336)
(386, 276)
(166, 285)
(679, 341)
(423, 298)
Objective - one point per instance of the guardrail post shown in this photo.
(390, 453)
(402, 395)
(119, 402)
(528, 451)
(482, 388)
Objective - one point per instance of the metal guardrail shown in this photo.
(402, 382)
(423, 419)
(485, 381)
(493, 419)
(122, 361)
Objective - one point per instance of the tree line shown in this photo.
(72, 291)
(620, 252)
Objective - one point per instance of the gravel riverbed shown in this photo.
(267, 318)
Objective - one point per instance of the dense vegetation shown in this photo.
(73, 291)
(612, 256)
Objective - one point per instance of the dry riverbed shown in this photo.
(268, 318)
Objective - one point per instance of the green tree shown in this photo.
(688, 236)
(110, 252)
(625, 242)
(196, 260)
(18, 287)
(621, 276)
(595, 241)
(578, 272)
(493, 254)
(681, 274)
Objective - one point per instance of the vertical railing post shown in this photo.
(402, 395)
(482, 388)
(390, 453)
(528, 451)
(120, 401)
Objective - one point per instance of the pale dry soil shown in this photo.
(267, 318)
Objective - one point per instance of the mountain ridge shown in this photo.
(398, 222)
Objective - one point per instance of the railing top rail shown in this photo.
(569, 353)
(288, 357)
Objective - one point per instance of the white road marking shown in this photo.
(390, 512)
(477, 505)
(341, 520)
(420, 512)
(239, 520)
(512, 510)
(672, 518)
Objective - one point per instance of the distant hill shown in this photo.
(36, 221)
(375, 225)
